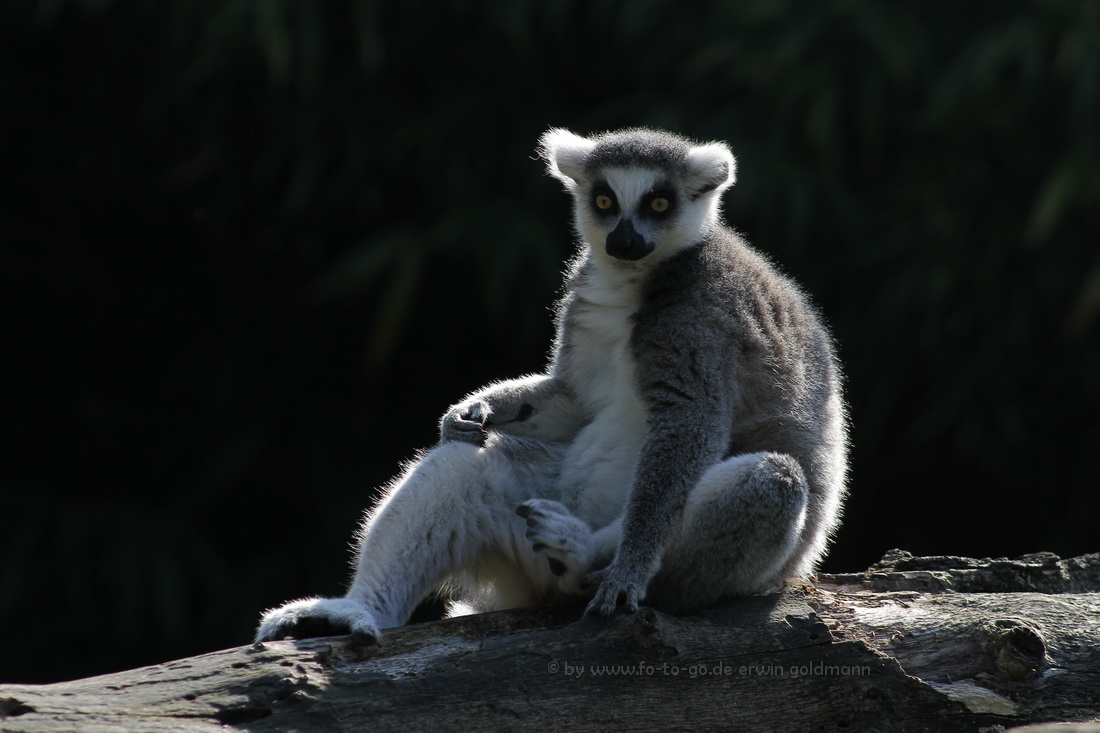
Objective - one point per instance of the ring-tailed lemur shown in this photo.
(686, 443)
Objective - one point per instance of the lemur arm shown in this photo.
(536, 406)
(689, 431)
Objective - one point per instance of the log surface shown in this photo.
(911, 644)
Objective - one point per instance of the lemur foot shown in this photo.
(312, 617)
(562, 538)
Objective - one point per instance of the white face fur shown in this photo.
(636, 210)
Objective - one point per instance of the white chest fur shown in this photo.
(599, 468)
(600, 333)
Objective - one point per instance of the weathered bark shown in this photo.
(912, 644)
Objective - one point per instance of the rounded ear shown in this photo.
(710, 167)
(565, 154)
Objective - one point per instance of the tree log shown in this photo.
(912, 644)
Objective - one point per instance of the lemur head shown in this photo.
(640, 195)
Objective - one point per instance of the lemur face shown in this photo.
(640, 195)
(634, 212)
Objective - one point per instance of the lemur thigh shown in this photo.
(441, 518)
(741, 523)
(445, 514)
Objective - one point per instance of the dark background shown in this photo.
(251, 249)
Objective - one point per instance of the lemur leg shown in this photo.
(741, 523)
(452, 513)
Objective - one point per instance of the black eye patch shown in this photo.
(658, 203)
(604, 200)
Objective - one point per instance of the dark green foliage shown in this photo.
(255, 247)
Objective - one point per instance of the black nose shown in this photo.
(624, 243)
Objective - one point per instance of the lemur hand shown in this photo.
(465, 423)
(619, 588)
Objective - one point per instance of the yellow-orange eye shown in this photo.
(604, 202)
(659, 204)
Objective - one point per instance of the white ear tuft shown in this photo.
(711, 167)
(564, 154)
